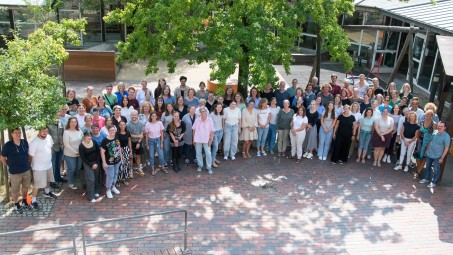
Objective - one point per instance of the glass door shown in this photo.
(418, 55)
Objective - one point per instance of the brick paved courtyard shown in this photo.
(263, 206)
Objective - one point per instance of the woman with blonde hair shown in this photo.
(121, 91)
(264, 118)
(328, 120)
(361, 85)
(427, 127)
(406, 91)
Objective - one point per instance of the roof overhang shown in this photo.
(445, 44)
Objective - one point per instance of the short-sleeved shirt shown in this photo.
(177, 132)
(17, 156)
(217, 120)
(438, 144)
(154, 128)
(384, 125)
(263, 115)
(281, 96)
(367, 124)
(110, 100)
(232, 117)
(134, 129)
(112, 150)
(41, 151)
(410, 129)
(346, 125)
(298, 121)
(124, 139)
(98, 139)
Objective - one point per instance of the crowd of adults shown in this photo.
(118, 134)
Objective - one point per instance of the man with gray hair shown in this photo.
(315, 84)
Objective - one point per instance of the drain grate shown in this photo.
(270, 186)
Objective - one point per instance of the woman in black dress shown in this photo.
(126, 147)
(343, 135)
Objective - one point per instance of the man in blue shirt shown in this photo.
(15, 156)
(435, 154)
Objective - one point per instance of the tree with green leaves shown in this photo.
(251, 33)
(29, 94)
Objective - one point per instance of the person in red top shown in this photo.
(336, 88)
(132, 99)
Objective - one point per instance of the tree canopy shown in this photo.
(252, 33)
(29, 93)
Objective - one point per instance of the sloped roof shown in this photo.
(445, 44)
(423, 13)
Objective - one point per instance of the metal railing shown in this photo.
(85, 244)
(69, 226)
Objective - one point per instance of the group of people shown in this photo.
(117, 134)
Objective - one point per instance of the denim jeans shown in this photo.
(154, 145)
(215, 143)
(325, 139)
(56, 162)
(111, 175)
(199, 147)
(167, 148)
(230, 140)
(271, 136)
(74, 165)
(365, 138)
(262, 136)
(435, 163)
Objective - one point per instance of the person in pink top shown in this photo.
(203, 135)
(97, 118)
(154, 130)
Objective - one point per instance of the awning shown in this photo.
(445, 44)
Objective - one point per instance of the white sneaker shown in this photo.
(225, 158)
(115, 190)
(320, 158)
(93, 200)
(384, 159)
(398, 167)
(263, 153)
(423, 181)
(71, 186)
(258, 153)
(233, 158)
(398, 162)
(324, 158)
(108, 193)
(305, 154)
(96, 195)
(389, 160)
(310, 155)
(431, 185)
(406, 169)
(368, 156)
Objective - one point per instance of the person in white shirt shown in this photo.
(40, 153)
(297, 133)
(81, 115)
(232, 128)
(141, 94)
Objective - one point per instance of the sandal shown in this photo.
(363, 161)
(153, 172)
(125, 182)
(244, 155)
(118, 185)
(248, 155)
(165, 171)
(298, 161)
(289, 157)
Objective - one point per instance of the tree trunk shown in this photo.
(244, 71)
(318, 54)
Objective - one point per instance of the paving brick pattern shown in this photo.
(265, 205)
